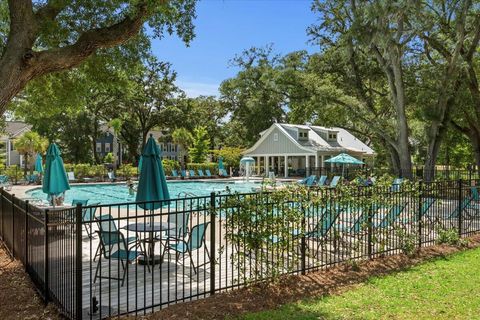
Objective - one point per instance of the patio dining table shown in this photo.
(150, 229)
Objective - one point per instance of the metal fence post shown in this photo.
(26, 236)
(13, 225)
(370, 228)
(78, 262)
(460, 207)
(46, 258)
(419, 213)
(212, 243)
(303, 245)
(2, 234)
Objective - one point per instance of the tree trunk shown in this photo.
(25, 164)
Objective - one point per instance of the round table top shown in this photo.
(148, 227)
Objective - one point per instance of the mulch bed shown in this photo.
(18, 299)
(295, 288)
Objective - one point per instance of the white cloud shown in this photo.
(195, 89)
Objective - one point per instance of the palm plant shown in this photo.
(28, 145)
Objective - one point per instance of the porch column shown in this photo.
(266, 166)
(257, 163)
(317, 165)
(307, 165)
(278, 165)
(286, 166)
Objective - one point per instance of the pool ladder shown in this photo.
(184, 194)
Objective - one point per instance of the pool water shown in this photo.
(118, 193)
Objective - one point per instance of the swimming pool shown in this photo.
(118, 193)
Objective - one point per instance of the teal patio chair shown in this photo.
(396, 184)
(174, 173)
(191, 173)
(88, 217)
(308, 181)
(196, 240)
(181, 221)
(208, 173)
(116, 240)
(200, 173)
(106, 223)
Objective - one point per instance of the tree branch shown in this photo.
(91, 40)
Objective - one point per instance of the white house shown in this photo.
(303, 147)
(13, 130)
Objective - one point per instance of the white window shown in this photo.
(275, 137)
(98, 147)
(107, 147)
(332, 136)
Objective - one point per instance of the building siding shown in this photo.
(283, 146)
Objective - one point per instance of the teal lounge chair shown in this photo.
(392, 215)
(334, 182)
(311, 181)
(183, 173)
(174, 173)
(209, 174)
(321, 229)
(321, 181)
(200, 173)
(222, 172)
(308, 181)
(396, 184)
(191, 173)
(196, 240)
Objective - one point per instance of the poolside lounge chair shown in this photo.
(308, 180)
(109, 241)
(322, 228)
(174, 173)
(334, 182)
(200, 173)
(184, 174)
(191, 173)
(396, 184)
(5, 182)
(196, 239)
(321, 181)
(392, 215)
(222, 172)
(71, 176)
(209, 174)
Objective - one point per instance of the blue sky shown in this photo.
(225, 28)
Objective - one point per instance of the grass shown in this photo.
(446, 288)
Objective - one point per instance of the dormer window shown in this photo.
(302, 135)
(332, 136)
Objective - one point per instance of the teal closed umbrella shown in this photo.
(38, 163)
(152, 185)
(220, 165)
(344, 159)
(55, 180)
(140, 164)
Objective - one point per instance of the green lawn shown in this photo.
(441, 289)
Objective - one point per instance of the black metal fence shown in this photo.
(351, 173)
(133, 258)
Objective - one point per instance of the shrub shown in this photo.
(127, 171)
(109, 158)
(81, 170)
(97, 170)
(14, 173)
(169, 165)
(450, 237)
